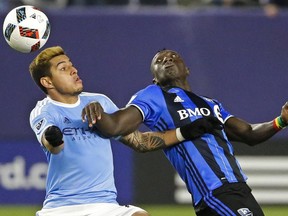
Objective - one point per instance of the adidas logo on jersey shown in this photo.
(66, 120)
(178, 99)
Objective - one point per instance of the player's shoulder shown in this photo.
(92, 94)
(212, 101)
(209, 99)
(40, 106)
(150, 89)
(153, 87)
(147, 94)
(87, 97)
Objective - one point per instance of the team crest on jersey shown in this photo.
(38, 126)
(245, 212)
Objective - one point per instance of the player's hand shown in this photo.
(201, 126)
(54, 136)
(284, 113)
(92, 112)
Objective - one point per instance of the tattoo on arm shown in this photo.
(144, 142)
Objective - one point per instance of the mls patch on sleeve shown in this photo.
(39, 125)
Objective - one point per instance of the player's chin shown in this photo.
(79, 90)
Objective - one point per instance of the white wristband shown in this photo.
(179, 135)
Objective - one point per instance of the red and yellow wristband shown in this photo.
(279, 124)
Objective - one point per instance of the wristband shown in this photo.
(179, 135)
(55, 144)
(54, 136)
(278, 123)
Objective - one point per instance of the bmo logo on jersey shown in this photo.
(187, 113)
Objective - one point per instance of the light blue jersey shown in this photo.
(82, 173)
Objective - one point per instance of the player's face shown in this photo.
(168, 67)
(65, 77)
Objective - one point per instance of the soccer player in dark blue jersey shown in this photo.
(206, 163)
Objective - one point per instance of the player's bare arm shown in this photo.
(150, 141)
(122, 122)
(126, 120)
(141, 142)
(252, 134)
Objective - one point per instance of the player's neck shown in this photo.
(184, 85)
(67, 99)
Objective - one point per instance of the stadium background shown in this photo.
(238, 56)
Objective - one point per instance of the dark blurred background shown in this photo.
(236, 51)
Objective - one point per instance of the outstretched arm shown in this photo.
(121, 122)
(118, 124)
(150, 141)
(252, 134)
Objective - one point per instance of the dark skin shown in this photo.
(169, 69)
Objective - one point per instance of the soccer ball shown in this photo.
(26, 28)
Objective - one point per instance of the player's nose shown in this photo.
(167, 59)
(73, 70)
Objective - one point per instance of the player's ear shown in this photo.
(187, 71)
(46, 82)
(155, 81)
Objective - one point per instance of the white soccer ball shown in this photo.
(26, 28)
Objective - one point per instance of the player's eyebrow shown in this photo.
(63, 62)
(60, 63)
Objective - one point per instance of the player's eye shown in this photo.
(159, 60)
(63, 68)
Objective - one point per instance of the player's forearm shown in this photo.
(107, 125)
(122, 122)
(150, 141)
(262, 132)
(259, 133)
(111, 127)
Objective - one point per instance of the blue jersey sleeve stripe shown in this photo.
(141, 111)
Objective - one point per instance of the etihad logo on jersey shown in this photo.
(78, 133)
(71, 131)
(187, 113)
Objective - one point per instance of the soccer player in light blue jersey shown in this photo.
(207, 163)
(80, 179)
